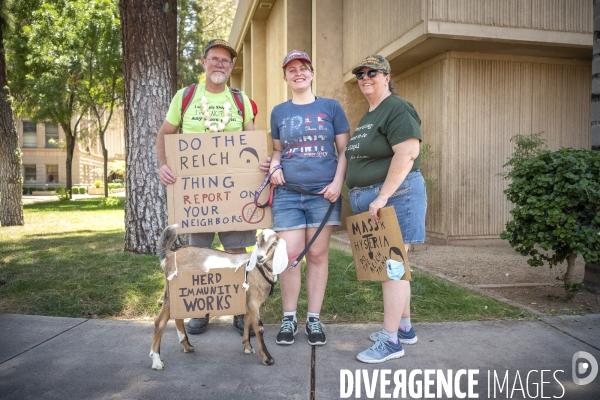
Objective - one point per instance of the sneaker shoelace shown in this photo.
(287, 326)
(315, 326)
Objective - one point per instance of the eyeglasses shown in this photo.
(371, 74)
(216, 61)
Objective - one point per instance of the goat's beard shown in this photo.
(218, 79)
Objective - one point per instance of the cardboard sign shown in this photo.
(219, 292)
(217, 177)
(373, 244)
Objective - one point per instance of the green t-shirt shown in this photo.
(369, 152)
(193, 120)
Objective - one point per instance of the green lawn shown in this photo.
(68, 260)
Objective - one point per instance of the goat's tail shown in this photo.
(166, 241)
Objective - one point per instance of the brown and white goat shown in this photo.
(269, 256)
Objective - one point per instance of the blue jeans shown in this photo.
(409, 201)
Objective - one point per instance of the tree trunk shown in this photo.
(568, 277)
(11, 179)
(70, 148)
(172, 26)
(147, 96)
(105, 155)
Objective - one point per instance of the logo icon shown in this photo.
(580, 367)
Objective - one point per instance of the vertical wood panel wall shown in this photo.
(370, 26)
(551, 15)
(470, 106)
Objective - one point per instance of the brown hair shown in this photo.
(305, 63)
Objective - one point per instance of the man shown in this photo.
(212, 108)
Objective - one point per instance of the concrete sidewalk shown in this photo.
(72, 358)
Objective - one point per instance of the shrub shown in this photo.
(98, 184)
(557, 198)
(113, 185)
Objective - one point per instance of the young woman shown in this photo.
(307, 133)
(383, 170)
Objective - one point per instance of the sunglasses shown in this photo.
(371, 74)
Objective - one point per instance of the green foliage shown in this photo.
(198, 22)
(427, 154)
(557, 202)
(114, 185)
(63, 194)
(526, 146)
(98, 183)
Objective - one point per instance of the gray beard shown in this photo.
(218, 79)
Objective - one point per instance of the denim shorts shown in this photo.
(409, 201)
(293, 210)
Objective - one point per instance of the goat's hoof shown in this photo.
(189, 349)
(159, 366)
(269, 361)
(249, 351)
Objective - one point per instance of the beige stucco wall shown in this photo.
(471, 101)
(471, 105)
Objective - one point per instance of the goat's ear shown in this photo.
(280, 258)
(253, 259)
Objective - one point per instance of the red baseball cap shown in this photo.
(295, 55)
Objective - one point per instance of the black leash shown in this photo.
(325, 219)
(299, 190)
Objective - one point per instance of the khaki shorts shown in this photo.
(230, 240)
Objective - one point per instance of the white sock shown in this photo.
(310, 314)
(405, 324)
(290, 313)
(392, 336)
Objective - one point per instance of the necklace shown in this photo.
(215, 126)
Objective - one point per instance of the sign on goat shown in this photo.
(374, 243)
(218, 292)
(217, 177)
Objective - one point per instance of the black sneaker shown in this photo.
(289, 329)
(238, 323)
(196, 326)
(314, 330)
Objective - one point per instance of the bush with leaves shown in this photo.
(557, 208)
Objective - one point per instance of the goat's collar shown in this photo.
(261, 268)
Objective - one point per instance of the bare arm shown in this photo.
(165, 174)
(249, 126)
(405, 154)
(332, 191)
(277, 177)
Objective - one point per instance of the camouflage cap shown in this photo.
(295, 55)
(220, 43)
(374, 61)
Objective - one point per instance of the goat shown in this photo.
(268, 259)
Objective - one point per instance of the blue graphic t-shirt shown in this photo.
(307, 133)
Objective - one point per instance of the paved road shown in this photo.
(71, 358)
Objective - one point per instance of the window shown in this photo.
(51, 134)
(51, 173)
(29, 134)
(30, 173)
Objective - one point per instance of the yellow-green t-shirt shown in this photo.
(193, 119)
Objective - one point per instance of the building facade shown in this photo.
(477, 71)
(44, 156)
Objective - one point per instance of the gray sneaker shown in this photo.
(314, 330)
(289, 329)
(404, 337)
